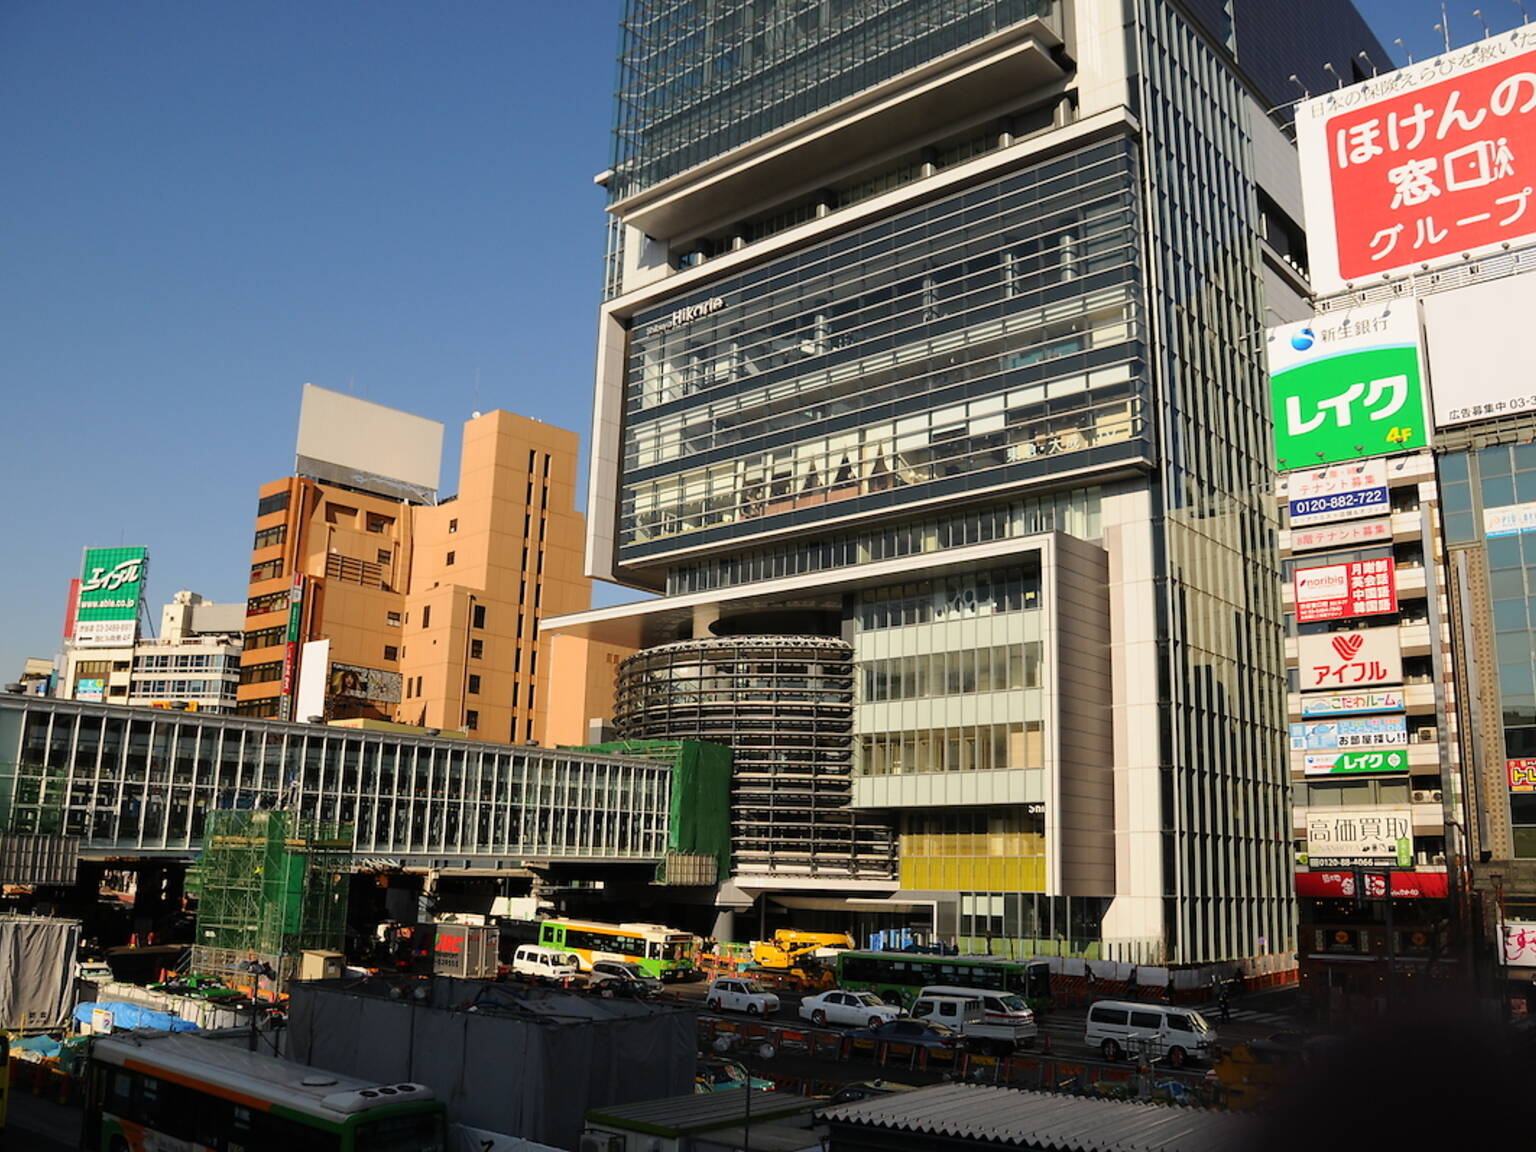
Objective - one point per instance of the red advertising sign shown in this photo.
(1423, 164)
(1334, 591)
(1405, 885)
(1522, 775)
(69, 609)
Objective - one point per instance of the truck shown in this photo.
(791, 948)
(968, 1016)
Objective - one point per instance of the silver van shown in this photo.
(1160, 1031)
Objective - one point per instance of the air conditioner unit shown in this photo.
(1427, 735)
(1421, 796)
(1437, 795)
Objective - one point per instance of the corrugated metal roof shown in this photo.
(703, 1112)
(1047, 1120)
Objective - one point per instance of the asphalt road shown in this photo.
(38, 1124)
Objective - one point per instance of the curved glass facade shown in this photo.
(784, 705)
(993, 336)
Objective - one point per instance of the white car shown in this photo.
(857, 1008)
(734, 994)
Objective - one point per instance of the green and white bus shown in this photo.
(154, 1090)
(897, 976)
(661, 952)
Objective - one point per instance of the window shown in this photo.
(270, 570)
(426, 616)
(340, 514)
(453, 526)
(472, 720)
(267, 537)
(474, 685)
(1108, 1015)
(385, 556)
(269, 504)
(391, 652)
(392, 619)
(1146, 1020)
(479, 616)
(451, 557)
(476, 649)
(378, 523)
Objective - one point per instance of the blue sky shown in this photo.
(207, 204)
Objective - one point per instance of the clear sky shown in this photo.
(205, 204)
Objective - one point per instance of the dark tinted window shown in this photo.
(1108, 1015)
(1146, 1020)
(1180, 1022)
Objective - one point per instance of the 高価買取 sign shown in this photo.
(1420, 165)
(1365, 732)
(1342, 492)
(1336, 591)
(111, 587)
(1347, 386)
(1359, 659)
(1341, 837)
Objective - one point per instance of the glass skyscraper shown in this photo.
(935, 327)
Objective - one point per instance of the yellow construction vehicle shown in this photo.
(793, 953)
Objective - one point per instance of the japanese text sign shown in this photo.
(1365, 732)
(111, 585)
(1339, 837)
(1362, 659)
(1353, 703)
(1520, 943)
(1405, 885)
(1509, 520)
(1340, 492)
(1347, 386)
(1354, 763)
(1522, 775)
(1341, 535)
(1334, 591)
(1421, 165)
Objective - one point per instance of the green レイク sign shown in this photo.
(111, 586)
(1348, 388)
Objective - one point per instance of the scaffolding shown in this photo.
(269, 887)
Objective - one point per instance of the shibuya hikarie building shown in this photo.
(930, 402)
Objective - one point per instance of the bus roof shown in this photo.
(204, 1062)
(598, 924)
(936, 958)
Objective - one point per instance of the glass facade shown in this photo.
(991, 337)
(700, 77)
(1473, 483)
(143, 780)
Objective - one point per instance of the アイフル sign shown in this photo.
(1421, 165)
(1362, 659)
(111, 587)
(1347, 386)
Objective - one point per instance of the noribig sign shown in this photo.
(1348, 386)
(111, 586)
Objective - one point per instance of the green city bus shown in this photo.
(152, 1090)
(661, 952)
(897, 976)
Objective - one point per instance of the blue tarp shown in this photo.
(126, 1015)
(45, 1046)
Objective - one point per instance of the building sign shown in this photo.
(353, 682)
(681, 317)
(91, 690)
(1421, 165)
(1522, 775)
(1482, 363)
(1354, 763)
(1341, 535)
(1337, 591)
(1509, 520)
(1366, 732)
(111, 587)
(291, 645)
(1343, 492)
(1347, 386)
(1361, 659)
(1353, 703)
(1520, 943)
(1342, 837)
(1326, 885)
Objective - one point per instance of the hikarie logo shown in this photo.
(1348, 647)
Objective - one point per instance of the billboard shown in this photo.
(1360, 659)
(354, 682)
(1343, 492)
(1509, 520)
(1482, 365)
(92, 689)
(1344, 837)
(1349, 535)
(1341, 763)
(1405, 885)
(1421, 165)
(1353, 703)
(1347, 386)
(111, 587)
(369, 440)
(1366, 732)
(1335, 591)
(1522, 774)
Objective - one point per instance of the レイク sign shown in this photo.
(1421, 165)
(1354, 763)
(1349, 659)
(111, 586)
(1334, 591)
(1342, 492)
(1347, 387)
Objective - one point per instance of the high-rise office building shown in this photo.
(373, 599)
(935, 328)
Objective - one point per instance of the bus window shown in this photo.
(653, 950)
(420, 1132)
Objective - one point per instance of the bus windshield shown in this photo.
(413, 1132)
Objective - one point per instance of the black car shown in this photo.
(924, 1033)
(617, 978)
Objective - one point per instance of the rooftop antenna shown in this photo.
(1444, 27)
(1525, 17)
(1305, 95)
(1478, 15)
(1364, 55)
(1404, 47)
(1329, 68)
(477, 388)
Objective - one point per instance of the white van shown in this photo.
(542, 963)
(1118, 1027)
(1001, 1007)
(967, 1015)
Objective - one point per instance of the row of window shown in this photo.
(180, 688)
(210, 661)
(952, 598)
(981, 747)
(267, 537)
(994, 669)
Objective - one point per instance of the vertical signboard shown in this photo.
(1421, 165)
(71, 608)
(291, 645)
(111, 586)
(1336, 591)
(1347, 386)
